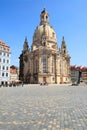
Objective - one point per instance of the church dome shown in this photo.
(44, 30)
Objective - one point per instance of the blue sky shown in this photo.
(19, 18)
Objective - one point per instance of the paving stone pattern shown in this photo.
(51, 107)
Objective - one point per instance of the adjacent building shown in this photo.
(4, 63)
(75, 73)
(45, 61)
(14, 74)
(84, 74)
(78, 74)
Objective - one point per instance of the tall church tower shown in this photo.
(25, 47)
(45, 62)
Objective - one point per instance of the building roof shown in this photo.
(81, 68)
(3, 44)
(13, 69)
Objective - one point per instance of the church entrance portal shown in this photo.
(44, 79)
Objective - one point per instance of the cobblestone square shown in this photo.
(35, 107)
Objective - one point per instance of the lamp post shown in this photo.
(79, 76)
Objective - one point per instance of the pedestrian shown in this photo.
(22, 84)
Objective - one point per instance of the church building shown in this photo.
(44, 61)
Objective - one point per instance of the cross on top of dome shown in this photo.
(44, 11)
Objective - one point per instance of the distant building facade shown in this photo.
(84, 74)
(14, 74)
(45, 61)
(78, 74)
(4, 63)
(74, 73)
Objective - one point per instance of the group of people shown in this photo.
(44, 83)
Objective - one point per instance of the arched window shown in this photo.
(44, 65)
(36, 66)
(52, 64)
(44, 52)
(60, 66)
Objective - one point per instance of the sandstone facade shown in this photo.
(45, 61)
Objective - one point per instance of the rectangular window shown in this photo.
(3, 67)
(4, 48)
(7, 54)
(0, 47)
(3, 74)
(3, 60)
(6, 74)
(7, 61)
(0, 53)
(4, 54)
(7, 68)
(7, 49)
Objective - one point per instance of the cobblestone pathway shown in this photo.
(43, 108)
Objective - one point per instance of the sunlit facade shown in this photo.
(45, 61)
(4, 63)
